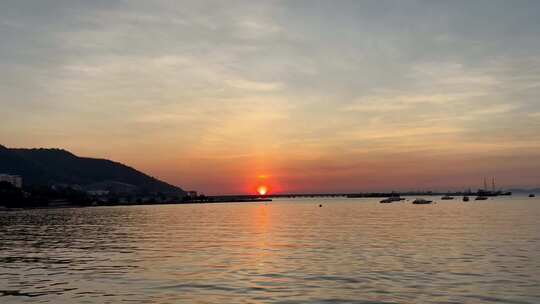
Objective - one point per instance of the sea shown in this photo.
(318, 250)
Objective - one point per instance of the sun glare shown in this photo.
(262, 190)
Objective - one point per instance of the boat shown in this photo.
(481, 198)
(391, 199)
(447, 197)
(532, 195)
(421, 201)
(465, 198)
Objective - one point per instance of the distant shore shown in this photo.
(210, 200)
(96, 202)
(372, 194)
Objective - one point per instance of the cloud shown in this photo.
(388, 102)
(254, 85)
(257, 29)
(497, 109)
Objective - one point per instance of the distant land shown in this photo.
(535, 190)
(47, 167)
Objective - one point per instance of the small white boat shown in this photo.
(447, 197)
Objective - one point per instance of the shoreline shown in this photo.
(67, 206)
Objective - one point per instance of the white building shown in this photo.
(15, 180)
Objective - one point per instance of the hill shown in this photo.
(40, 167)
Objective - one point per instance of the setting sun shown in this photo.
(262, 190)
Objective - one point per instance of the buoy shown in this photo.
(320, 206)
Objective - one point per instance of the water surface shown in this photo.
(286, 251)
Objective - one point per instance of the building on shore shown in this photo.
(15, 180)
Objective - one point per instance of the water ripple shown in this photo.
(289, 251)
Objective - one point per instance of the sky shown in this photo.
(302, 96)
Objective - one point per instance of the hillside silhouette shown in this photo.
(41, 167)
